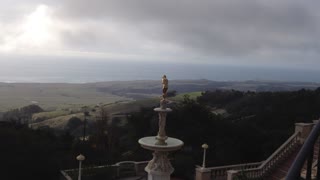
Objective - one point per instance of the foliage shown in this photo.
(73, 123)
(219, 98)
(21, 115)
(30, 154)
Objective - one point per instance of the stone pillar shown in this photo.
(304, 129)
(203, 174)
(159, 168)
(162, 137)
(231, 174)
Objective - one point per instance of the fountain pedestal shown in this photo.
(160, 168)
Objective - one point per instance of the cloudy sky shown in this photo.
(282, 33)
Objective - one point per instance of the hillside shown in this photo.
(63, 96)
(59, 120)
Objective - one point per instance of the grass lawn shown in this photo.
(192, 95)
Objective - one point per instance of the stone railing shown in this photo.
(91, 171)
(250, 170)
(220, 172)
(131, 168)
(281, 153)
(259, 169)
(118, 170)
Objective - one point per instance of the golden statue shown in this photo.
(165, 86)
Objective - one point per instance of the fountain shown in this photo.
(160, 168)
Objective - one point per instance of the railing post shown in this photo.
(318, 165)
(231, 174)
(304, 129)
(203, 174)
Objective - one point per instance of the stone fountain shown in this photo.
(160, 168)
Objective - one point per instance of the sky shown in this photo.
(275, 33)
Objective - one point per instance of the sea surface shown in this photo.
(97, 71)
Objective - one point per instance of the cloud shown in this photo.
(33, 31)
(213, 27)
(248, 31)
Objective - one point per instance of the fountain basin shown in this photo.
(149, 143)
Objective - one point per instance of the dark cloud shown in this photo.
(222, 27)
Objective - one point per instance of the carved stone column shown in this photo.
(162, 137)
(159, 168)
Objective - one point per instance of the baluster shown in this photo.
(318, 165)
(309, 165)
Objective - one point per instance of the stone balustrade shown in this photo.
(118, 170)
(258, 169)
(221, 171)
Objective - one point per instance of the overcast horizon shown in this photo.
(255, 34)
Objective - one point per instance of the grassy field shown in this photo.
(192, 95)
(59, 122)
(53, 96)
(49, 115)
(63, 96)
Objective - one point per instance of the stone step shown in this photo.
(282, 169)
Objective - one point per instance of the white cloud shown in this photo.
(34, 31)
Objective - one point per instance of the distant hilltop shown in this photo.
(182, 86)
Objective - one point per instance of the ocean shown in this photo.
(97, 71)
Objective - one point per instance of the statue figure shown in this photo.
(165, 86)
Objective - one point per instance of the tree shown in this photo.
(32, 154)
(73, 123)
(103, 131)
(22, 115)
